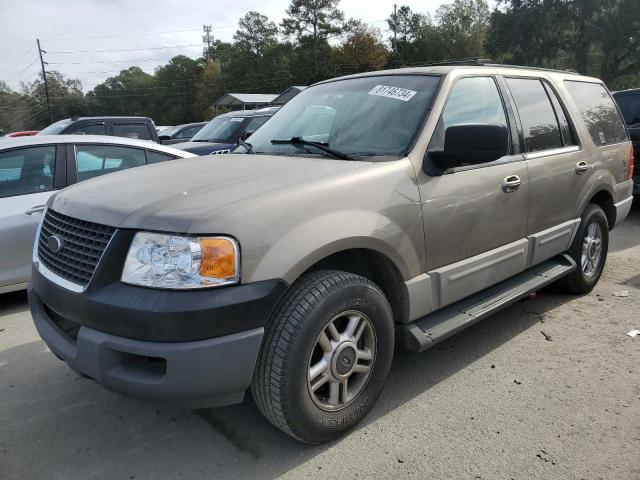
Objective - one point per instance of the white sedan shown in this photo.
(33, 168)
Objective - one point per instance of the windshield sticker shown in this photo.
(393, 92)
(237, 119)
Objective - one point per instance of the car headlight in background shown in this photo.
(180, 262)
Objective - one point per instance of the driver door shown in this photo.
(475, 215)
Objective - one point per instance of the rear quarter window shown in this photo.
(598, 111)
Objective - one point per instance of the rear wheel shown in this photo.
(589, 250)
(325, 357)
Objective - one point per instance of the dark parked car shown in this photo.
(141, 128)
(222, 134)
(180, 133)
(629, 103)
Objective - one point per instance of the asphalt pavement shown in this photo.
(546, 389)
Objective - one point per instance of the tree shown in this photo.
(317, 19)
(462, 27)
(361, 51)
(256, 33)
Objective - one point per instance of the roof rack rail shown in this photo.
(487, 62)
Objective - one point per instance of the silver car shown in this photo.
(33, 168)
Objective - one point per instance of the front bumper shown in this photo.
(197, 374)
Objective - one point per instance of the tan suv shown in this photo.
(380, 209)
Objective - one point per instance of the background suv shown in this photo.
(141, 128)
(629, 103)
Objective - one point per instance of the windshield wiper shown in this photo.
(299, 141)
(247, 146)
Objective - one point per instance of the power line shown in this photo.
(111, 61)
(128, 49)
(141, 34)
(23, 70)
(22, 57)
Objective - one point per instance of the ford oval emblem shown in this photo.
(54, 243)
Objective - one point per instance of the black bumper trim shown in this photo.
(161, 315)
(197, 374)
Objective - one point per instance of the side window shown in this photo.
(565, 129)
(27, 170)
(538, 118)
(95, 160)
(598, 111)
(157, 157)
(255, 123)
(474, 100)
(188, 132)
(629, 104)
(91, 129)
(131, 130)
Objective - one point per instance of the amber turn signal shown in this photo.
(219, 258)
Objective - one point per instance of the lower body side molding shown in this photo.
(425, 332)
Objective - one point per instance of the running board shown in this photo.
(425, 332)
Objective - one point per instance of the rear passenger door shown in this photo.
(558, 171)
(28, 177)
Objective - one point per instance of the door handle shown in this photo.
(581, 167)
(511, 183)
(36, 209)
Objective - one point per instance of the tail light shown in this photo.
(631, 162)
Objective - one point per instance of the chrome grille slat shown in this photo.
(83, 245)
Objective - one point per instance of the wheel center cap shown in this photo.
(344, 360)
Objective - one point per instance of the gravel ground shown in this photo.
(547, 389)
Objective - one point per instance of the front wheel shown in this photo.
(589, 250)
(325, 357)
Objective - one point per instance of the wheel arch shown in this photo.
(375, 266)
(604, 199)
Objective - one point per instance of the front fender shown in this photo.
(317, 238)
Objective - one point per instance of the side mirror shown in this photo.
(246, 134)
(164, 138)
(471, 144)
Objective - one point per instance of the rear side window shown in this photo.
(27, 170)
(189, 132)
(539, 122)
(95, 160)
(131, 130)
(598, 111)
(157, 157)
(91, 129)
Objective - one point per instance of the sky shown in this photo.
(147, 32)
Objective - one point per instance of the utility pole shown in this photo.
(207, 38)
(395, 29)
(44, 78)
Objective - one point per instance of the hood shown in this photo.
(203, 148)
(169, 196)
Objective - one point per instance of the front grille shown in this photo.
(82, 246)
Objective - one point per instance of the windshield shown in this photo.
(369, 116)
(219, 130)
(629, 104)
(169, 132)
(55, 128)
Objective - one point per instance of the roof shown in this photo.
(229, 99)
(108, 117)
(251, 113)
(288, 94)
(444, 69)
(93, 139)
(628, 91)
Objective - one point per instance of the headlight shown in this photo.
(177, 262)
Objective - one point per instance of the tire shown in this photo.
(582, 280)
(294, 342)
